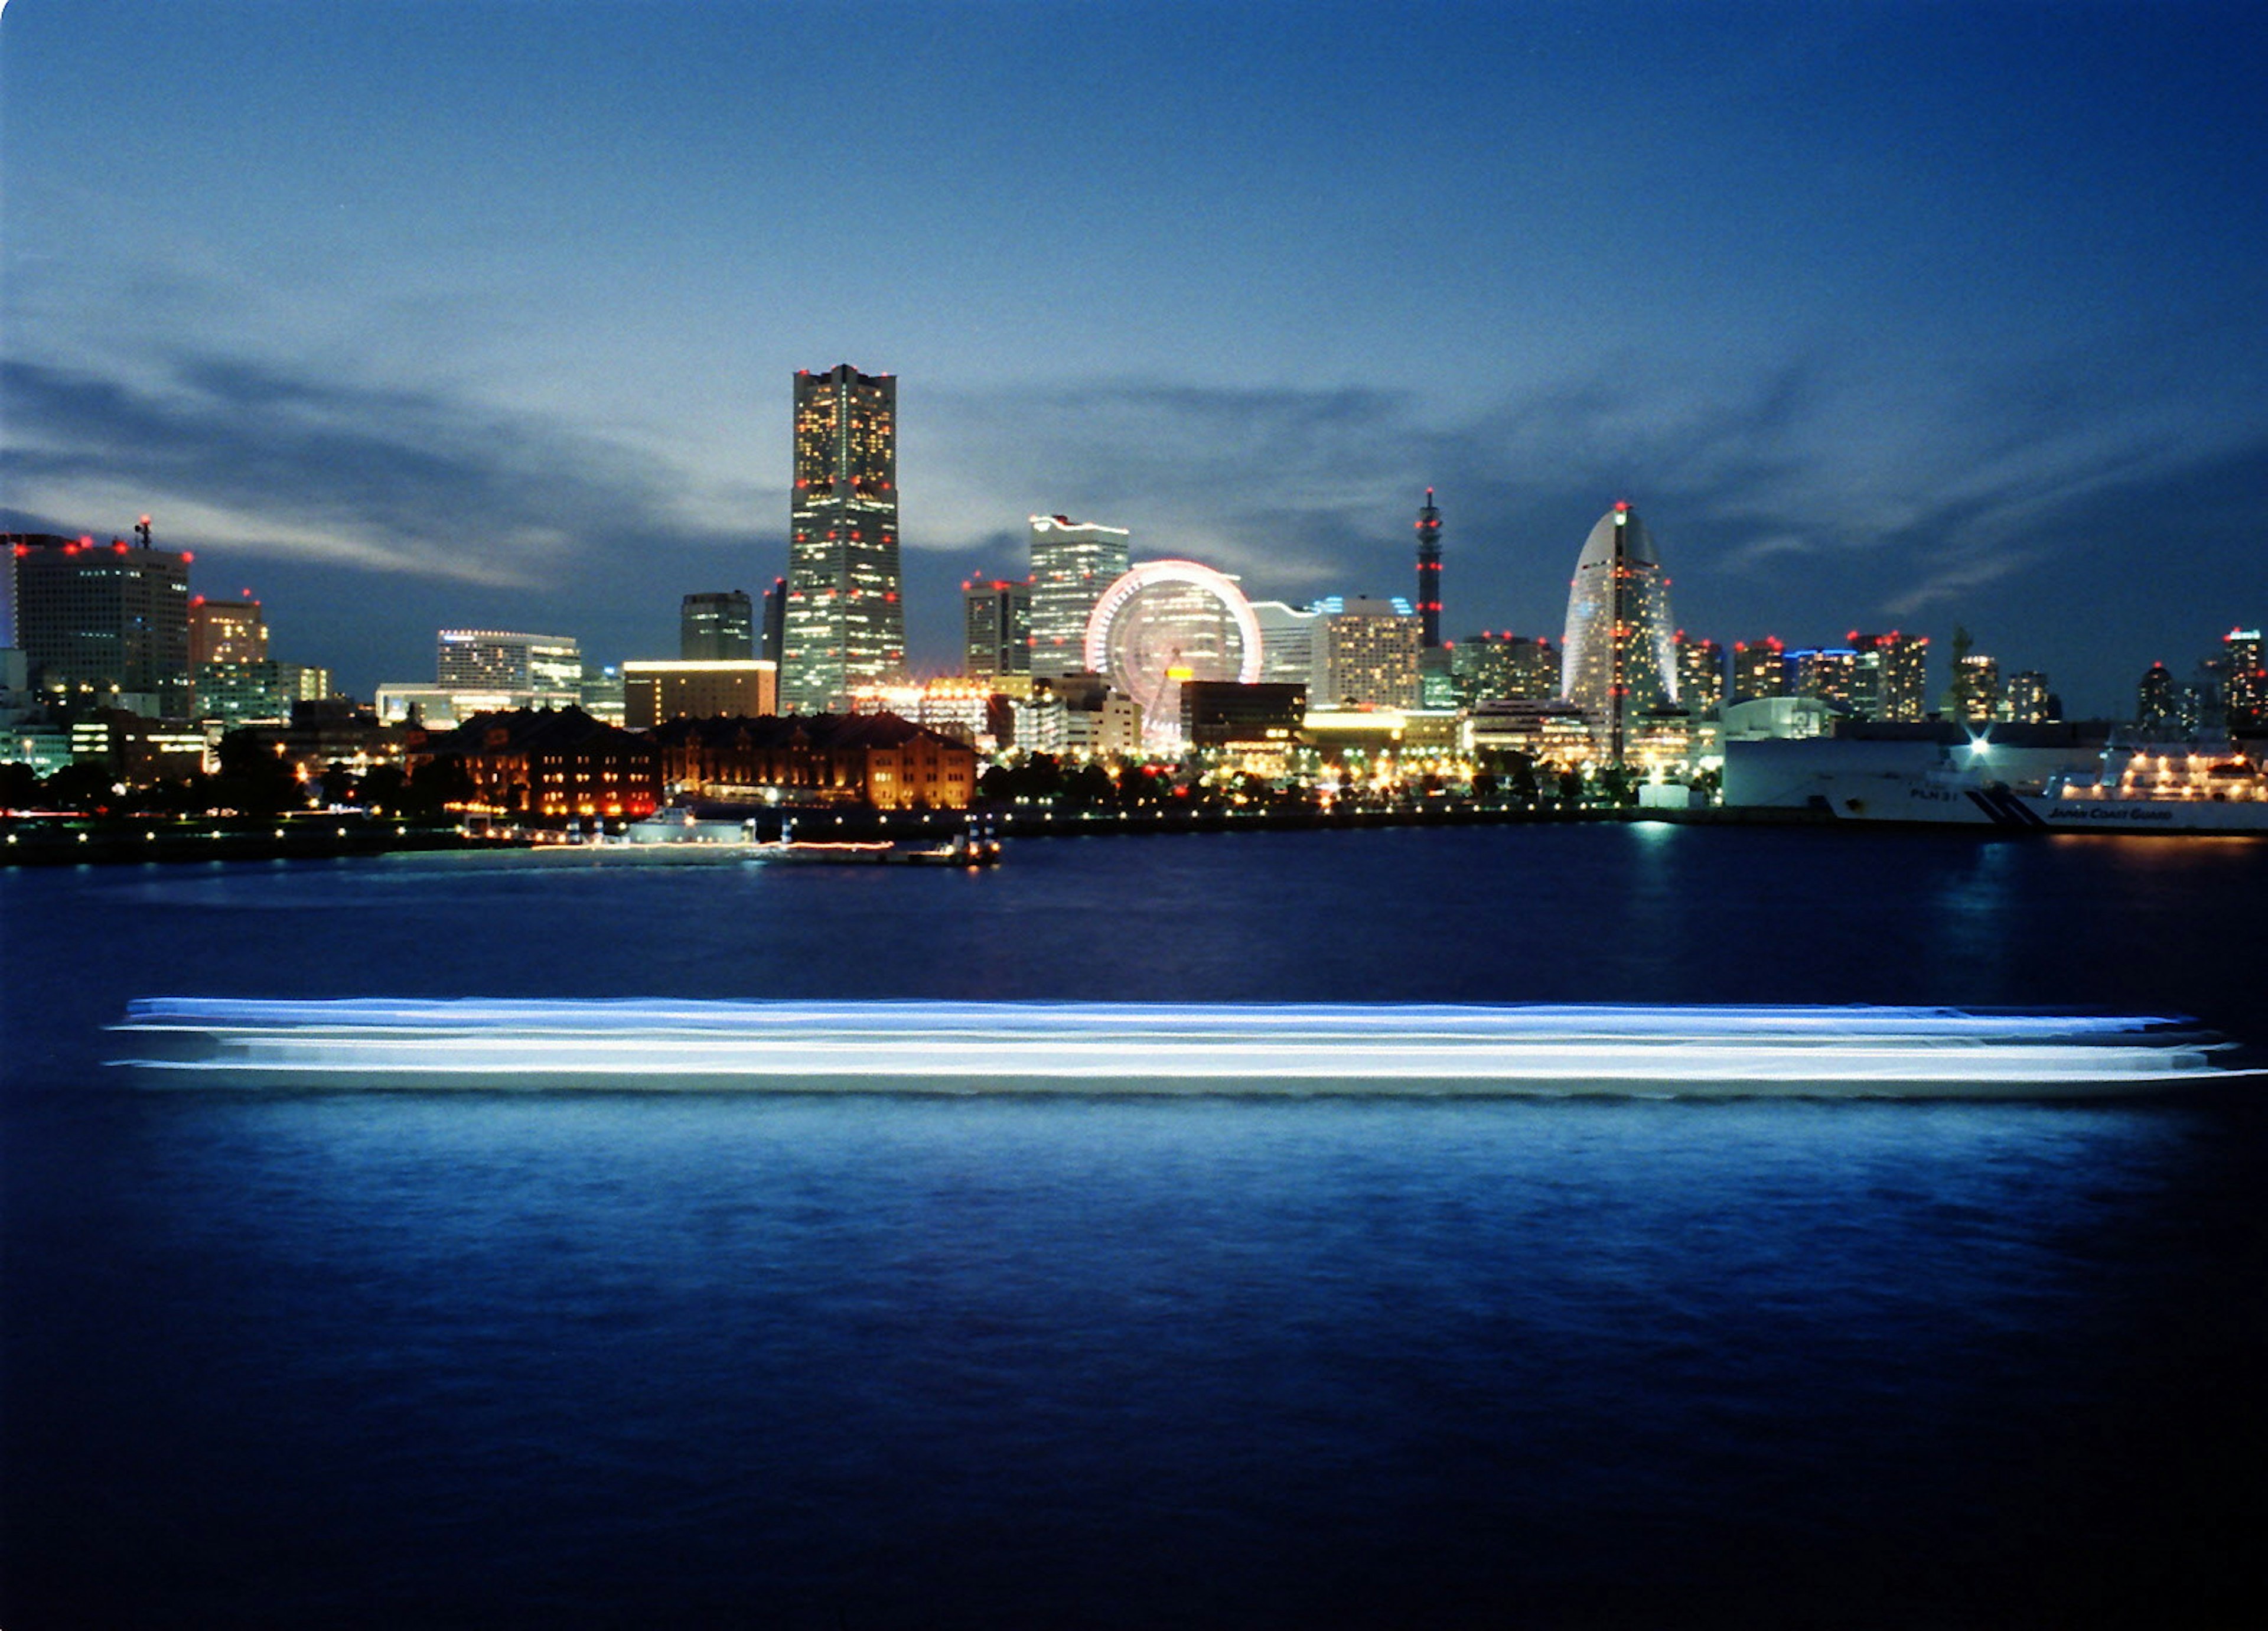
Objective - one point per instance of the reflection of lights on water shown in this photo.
(938, 1047)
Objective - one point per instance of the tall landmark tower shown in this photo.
(845, 622)
(1429, 572)
(1621, 652)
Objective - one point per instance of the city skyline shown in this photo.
(1888, 317)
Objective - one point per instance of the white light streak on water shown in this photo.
(1125, 1047)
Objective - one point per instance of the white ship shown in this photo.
(2171, 791)
(1300, 1049)
(2134, 790)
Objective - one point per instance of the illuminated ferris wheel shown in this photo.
(1166, 622)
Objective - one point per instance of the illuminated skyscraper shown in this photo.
(1620, 655)
(1367, 654)
(1072, 564)
(846, 623)
(108, 621)
(1429, 572)
(717, 627)
(996, 625)
(2244, 687)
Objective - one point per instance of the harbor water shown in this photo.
(298, 1357)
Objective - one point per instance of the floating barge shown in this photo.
(1140, 1048)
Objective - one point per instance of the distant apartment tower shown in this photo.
(1759, 668)
(1700, 672)
(1506, 668)
(846, 621)
(2157, 700)
(492, 660)
(716, 627)
(1429, 572)
(1072, 564)
(1892, 676)
(1829, 674)
(1619, 658)
(108, 620)
(1367, 653)
(2245, 688)
(1977, 687)
(227, 631)
(2028, 701)
(995, 624)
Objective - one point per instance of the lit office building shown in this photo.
(240, 693)
(1505, 667)
(845, 622)
(655, 692)
(1368, 653)
(1700, 672)
(1078, 717)
(995, 628)
(717, 627)
(1891, 676)
(1759, 669)
(1288, 635)
(1072, 564)
(105, 622)
(1217, 714)
(963, 709)
(1551, 730)
(548, 666)
(603, 694)
(1619, 658)
(227, 631)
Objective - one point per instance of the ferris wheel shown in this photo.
(1165, 622)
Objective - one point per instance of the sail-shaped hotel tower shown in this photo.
(1621, 651)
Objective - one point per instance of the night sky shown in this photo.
(441, 312)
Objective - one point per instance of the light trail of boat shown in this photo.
(1167, 1048)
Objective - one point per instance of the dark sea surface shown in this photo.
(657, 1360)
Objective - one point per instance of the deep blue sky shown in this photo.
(462, 311)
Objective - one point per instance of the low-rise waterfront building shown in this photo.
(1551, 732)
(548, 764)
(878, 760)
